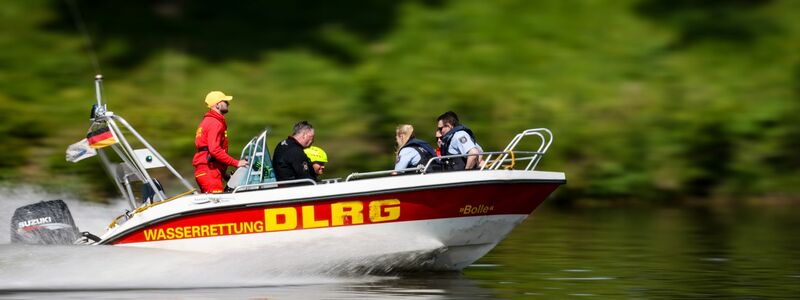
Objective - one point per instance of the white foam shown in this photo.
(92, 217)
(35, 267)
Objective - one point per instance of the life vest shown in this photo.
(424, 149)
(455, 163)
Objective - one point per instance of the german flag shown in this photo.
(101, 137)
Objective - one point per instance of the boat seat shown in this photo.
(237, 178)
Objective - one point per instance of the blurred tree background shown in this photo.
(650, 99)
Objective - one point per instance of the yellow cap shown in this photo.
(316, 154)
(215, 97)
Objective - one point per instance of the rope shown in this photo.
(143, 208)
(513, 161)
(492, 163)
(496, 160)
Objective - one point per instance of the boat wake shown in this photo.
(92, 217)
(50, 267)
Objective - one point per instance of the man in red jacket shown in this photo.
(211, 142)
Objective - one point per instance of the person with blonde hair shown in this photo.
(411, 151)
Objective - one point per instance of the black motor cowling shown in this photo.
(44, 223)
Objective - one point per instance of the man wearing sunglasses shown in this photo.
(457, 139)
(211, 141)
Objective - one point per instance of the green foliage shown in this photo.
(649, 98)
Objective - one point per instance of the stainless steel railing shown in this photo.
(494, 160)
(274, 184)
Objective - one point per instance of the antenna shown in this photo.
(98, 86)
(76, 15)
(98, 110)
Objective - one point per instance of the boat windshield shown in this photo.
(260, 167)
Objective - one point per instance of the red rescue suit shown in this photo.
(212, 159)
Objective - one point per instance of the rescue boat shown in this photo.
(420, 220)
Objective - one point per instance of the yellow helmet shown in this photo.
(216, 97)
(316, 154)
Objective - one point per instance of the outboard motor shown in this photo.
(44, 223)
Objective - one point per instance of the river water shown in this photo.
(641, 252)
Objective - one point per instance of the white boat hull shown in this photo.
(442, 244)
(422, 222)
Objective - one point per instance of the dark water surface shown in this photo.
(617, 252)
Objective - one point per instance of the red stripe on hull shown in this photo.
(489, 199)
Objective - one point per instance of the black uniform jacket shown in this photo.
(290, 162)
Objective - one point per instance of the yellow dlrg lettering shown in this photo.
(349, 212)
(149, 235)
(309, 221)
(384, 210)
(271, 218)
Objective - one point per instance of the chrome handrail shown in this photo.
(155, 152)
(378, 173)
(543, 133)
(123, 149)
(533, 153)
(136, 163)
(423, 169)
(275, 183)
